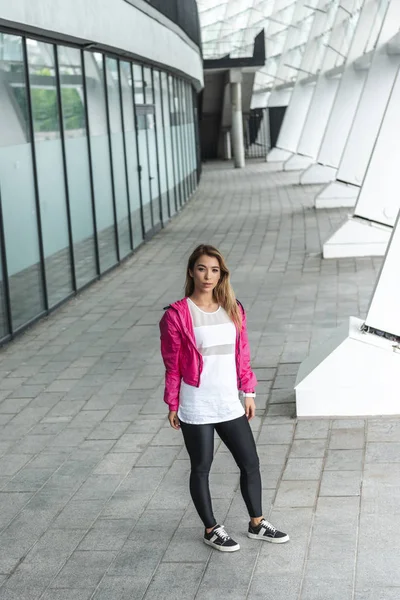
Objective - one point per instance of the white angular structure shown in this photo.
(357, 371)
(356, 152)
(368, 231)
(307, 76)
(348, 95)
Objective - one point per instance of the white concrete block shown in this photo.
(351, 374)
(357, 237)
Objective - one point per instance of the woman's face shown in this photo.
(206, 273)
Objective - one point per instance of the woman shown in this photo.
(205, 349)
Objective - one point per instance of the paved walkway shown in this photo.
(94, 494)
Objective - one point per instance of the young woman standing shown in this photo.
(206, 353)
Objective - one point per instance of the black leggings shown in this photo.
(238, 438)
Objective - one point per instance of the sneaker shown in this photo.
(267, 532)
(220, 540)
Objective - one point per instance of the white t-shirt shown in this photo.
(217, 398)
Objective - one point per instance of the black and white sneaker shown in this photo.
(220, 540)
(267, 532)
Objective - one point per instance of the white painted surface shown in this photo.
(372, 105)
(317, 173)
(351, 374)
(278, 155)
(295, 116)
(351, 86)
(379, 198)
(297, 163)
(357, 238)
(317, 117)
(114, 23)
(384, 313)
(337, 194)
(341, 117)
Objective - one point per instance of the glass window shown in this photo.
(131, 152)
(173, 197)
(118, 157)
(100, 154)
(174, 117)
(144, 169)
(153, 165)
(50, 170)
(138, 84)
(17, 186)
(77, 161)
(148, 86)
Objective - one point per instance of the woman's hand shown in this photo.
(173, 419)
(250, 408)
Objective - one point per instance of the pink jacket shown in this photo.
(182, 360)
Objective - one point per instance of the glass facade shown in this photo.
(96, 155)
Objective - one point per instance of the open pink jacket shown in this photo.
(182, 360)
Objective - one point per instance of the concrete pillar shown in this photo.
(237, 125)
(227, 145)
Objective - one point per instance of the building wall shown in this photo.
(97, 153)
(133, 27)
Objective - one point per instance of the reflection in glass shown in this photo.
(148, 85)
(169, 153)
(77, 162)
(153, 164)
(131, 152)
(174, 118)
(100, 153)
(118, 157)
(50, 170)
(17, 188)
(161, 147)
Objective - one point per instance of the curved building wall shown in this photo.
(97, 152)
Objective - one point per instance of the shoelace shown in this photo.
(220, 532)
(268, 526)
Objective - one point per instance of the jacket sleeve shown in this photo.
(248, 380)
(170, 350)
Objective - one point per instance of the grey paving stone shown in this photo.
(328, 590)
(348, 460)
(308, 448)
(383, 452)
(158, 456)
(285, 409)
(313, 429)
(344, 439)
(84, 569)
(11, 463)
(296, 493)
(67, 594)
(279, 588)
(348, 424)
(276, 434)
(187, 546)
(117, 464)
(272, 454)
(107, 534)
(133, 442)
(121, 588)
(78, 515)
(364, 592)
(303, 468)
(185, 585)
(99, 487)
(383, 431)
(233, 574)
(341, 483)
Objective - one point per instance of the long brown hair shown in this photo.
(223, 292)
